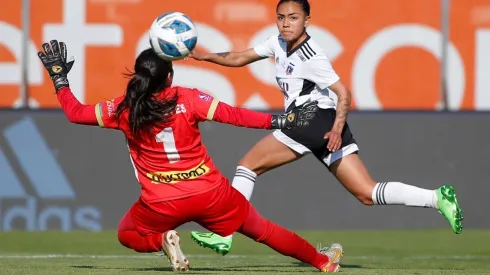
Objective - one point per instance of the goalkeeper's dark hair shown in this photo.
(145, 108)
(305, 5)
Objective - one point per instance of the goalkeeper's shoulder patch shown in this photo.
(99, 114)
(212, 109)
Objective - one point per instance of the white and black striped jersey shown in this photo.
(303, 74)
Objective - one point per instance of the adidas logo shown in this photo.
(40, 169)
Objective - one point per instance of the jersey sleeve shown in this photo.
(75, 111)
(266, 48)
(242, 117)
(321, 72)
(206, 107)
(106, 113)
(203, 105)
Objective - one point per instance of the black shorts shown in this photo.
(310, 139)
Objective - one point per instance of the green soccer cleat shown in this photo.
(447, 204)
(214, 241)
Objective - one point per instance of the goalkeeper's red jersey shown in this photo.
(171, 162)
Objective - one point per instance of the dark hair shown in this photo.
(303, 3)
(147, 81)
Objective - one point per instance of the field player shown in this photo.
(304, 73)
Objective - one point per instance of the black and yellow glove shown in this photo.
(297, 117)
(54, 60)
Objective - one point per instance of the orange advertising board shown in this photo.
(388, 52)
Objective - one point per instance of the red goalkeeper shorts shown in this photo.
(222, 210)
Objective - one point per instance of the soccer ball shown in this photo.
(173, 36)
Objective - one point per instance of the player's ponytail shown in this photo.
(145, 108)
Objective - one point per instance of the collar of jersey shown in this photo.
(293, 50)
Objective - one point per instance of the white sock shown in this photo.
(403, 194)
(243, 181)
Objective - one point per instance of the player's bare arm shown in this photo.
(228, 59)
(343, 105)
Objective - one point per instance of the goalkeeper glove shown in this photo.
(297, 117)
(54, 60)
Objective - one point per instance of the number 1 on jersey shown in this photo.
(166, 136)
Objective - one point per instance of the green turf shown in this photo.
(366, 252)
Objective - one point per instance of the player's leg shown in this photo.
(267, 154)
(289, 243)
(129, 237)
(348, 168)
(352, 173)
(223, 218)
(144, 237)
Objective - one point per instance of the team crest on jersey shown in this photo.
(291, 117)
(205, 97)
(290, 69)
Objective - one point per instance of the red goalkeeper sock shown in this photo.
(281, 240)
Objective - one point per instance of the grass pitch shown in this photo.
(366, 252)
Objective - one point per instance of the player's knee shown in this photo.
(124, 238)
(258, 166)
(365, 198)
(142, 244)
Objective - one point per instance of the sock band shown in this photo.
(380, 193)
(242, 171)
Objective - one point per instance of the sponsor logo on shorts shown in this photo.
(178, 176)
